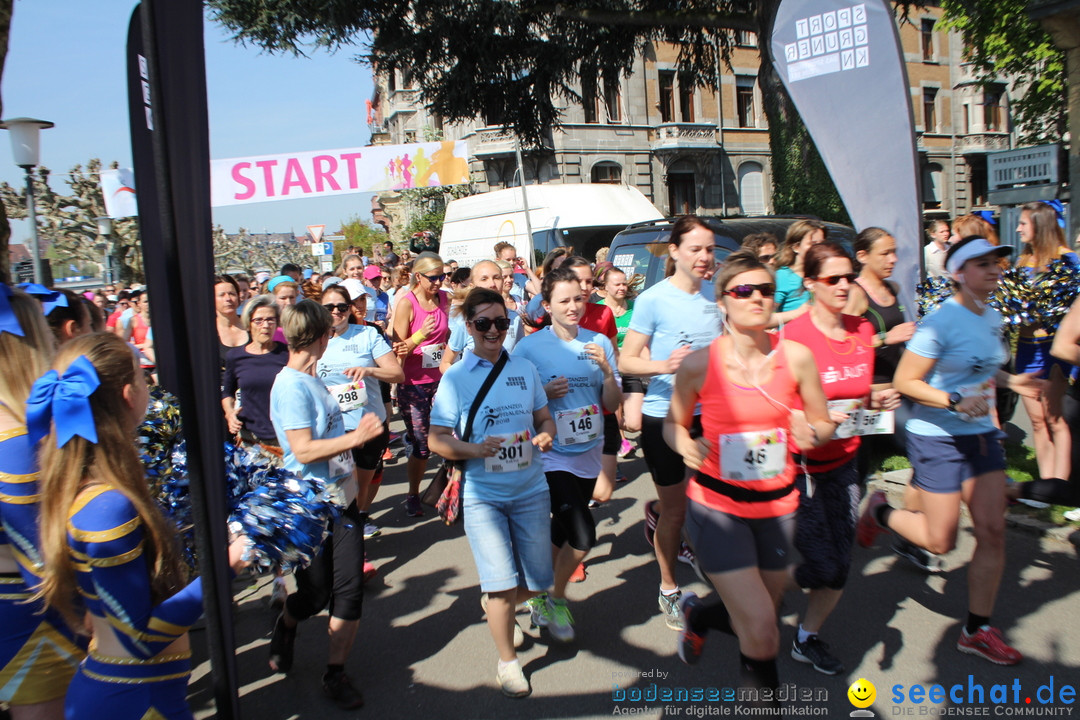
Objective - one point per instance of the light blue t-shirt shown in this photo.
(671, 317)
(358, 346)
(790, 293)
(299, 401)
(507, 410)
(969, 350)
(555, 358)
(460, 339)
(378, 306)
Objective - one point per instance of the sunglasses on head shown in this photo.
(340, 307)
(834, 279)
(744, 291)
(435, 278)
(483, 324)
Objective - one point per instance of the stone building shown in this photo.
(689, 149)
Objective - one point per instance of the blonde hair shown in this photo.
(24, 359)
(113, 462)
(304, 323)
(428, 262)
(1049, 237)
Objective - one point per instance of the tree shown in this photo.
(1002, 40)
(426, 207)
(361, 234)
(514, 64)
(68, 225)
(244, 252)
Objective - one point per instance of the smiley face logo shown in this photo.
(862, 693)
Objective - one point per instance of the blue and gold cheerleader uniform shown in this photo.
(38, 651)
(106, 537)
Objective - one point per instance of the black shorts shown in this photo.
(724, 542)
(612, 436)
(825, 526)
(384, 388)
(335, 576)
(368, 455)
(665, 465)
(633, 384)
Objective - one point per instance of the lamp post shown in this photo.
(25, 134)
(105, 228)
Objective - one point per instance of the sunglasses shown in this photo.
(742, 292)
(483, 324)
(834, 279)
(435, 278)
(340, 307)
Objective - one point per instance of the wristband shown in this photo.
(881, 336)
(418, 337)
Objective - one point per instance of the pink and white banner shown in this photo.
(240, 181)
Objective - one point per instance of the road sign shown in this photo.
(326, 266)
(316, 231)
(322, 248)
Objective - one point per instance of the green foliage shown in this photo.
(360, 233)
(426, 207)
(1001, 40)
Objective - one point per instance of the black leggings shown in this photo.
(571, 521)
(335, 576)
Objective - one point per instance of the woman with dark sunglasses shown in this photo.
(421, 330)
(579, 367)
(505, 497)
(740, 518)
(829, 484)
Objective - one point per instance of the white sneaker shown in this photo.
(512, 680)
(1072, 515)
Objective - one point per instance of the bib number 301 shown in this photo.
(758, 455)
(578, 426)
(515, 453)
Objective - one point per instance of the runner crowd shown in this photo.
(762, 392)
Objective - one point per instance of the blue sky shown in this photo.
(65, 64)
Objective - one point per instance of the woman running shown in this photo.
(842, 346)
(103, 538)
(579, 367)
(742, 497)
(35, 681)
(421, 326)
(506, 502)
(950, 369)
(671, 319)
(230, 329)
(790, 293)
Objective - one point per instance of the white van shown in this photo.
(584, 216)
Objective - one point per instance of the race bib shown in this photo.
(341, 465)
(350, 395)
(515, 453)
(757, 455)
(432, 355)
(987, 390)
(861, 420)
(578, 426)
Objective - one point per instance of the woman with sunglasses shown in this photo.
(671, 319)
(421, 326)
(579, 367)
(829, 484)
(950, 369)
(357, 358)
(250, 371)
(505, 502)
(740, 517)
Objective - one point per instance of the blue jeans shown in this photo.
(511, 541)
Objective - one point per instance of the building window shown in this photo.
(746, 38)
(410, 136)
(927, 40)
(967, 119)
(589, 101)
(744, 102)
(932, 178)
(686, 98)
(992, 110)
(391, 81)
(667, 96)
(608, 173)
(681, 196)
(752, 188)
(612, 101)
(929, 103)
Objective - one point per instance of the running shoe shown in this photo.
(562, 622)
(1036, 504)
(338, 688)
(868, 529)
(412, 506)
(281, 646)
(579, 574)
(625, 448)
(816, 652)
(539, 611)
(669, 608)
(686, 555)
(388, 454)
(371, 530)
(394, 437)
(925, 561)
(1072, 515)
(652, 516)
(620, 477)
(691, 644)
(370, 571)
(988, 643)
(278, 594)
(512, 680)
(593, 504)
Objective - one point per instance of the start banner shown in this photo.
(239, 181)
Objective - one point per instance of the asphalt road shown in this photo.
(424, 650)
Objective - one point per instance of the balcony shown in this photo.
(685, 136)
(402, 101)
(496, 141)
(979, 143)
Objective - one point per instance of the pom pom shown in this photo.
(158, 435)
(932, 293)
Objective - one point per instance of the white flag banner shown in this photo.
(118, 189)
(240, 181)
(843, 66)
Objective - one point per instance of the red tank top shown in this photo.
(748, 438)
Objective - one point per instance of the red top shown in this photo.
(599, 318)
(846, 370)
(139, 329)
(748, 438)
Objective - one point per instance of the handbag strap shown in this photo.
(488, 382)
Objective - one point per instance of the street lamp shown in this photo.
(24, 146)
(105, 228)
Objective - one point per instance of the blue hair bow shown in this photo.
(65, 401)
(8, 322)
(987, 215)
(49, 299)
(1059, 208)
